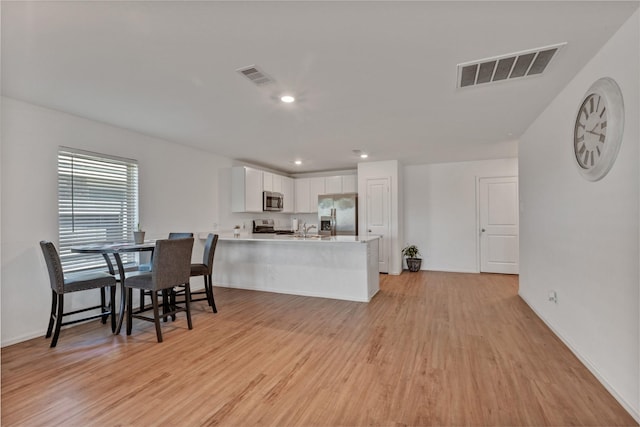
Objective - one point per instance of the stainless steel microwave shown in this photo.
(272, 201)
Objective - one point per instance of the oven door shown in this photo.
(271, 201)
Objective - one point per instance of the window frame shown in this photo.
(98, 201)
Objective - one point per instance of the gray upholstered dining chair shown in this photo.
(62, 284)
(180, 235)
(171, 267)
(165, 294)
(205, 269)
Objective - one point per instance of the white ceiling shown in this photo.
(373, 76)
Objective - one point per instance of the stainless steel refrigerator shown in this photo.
(338, 214)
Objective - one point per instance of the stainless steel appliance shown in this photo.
(338, 214)
(272, 201)
(267, 226)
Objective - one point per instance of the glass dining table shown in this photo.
(116, 249)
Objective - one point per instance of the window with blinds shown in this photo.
(97, 202)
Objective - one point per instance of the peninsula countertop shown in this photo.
(288, 238)
(340, 267)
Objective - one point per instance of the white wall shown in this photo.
(180, 190)
(581, 238)
(440, 214)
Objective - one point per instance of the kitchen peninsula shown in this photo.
(338, 267)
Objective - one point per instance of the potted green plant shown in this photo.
(138, 236)
(411, 253)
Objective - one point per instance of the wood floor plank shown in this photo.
(430, 349)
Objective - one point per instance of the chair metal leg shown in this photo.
(156, 315)
(129, 309)
(187, 303)
(213, 301)
(113, 308)
(166, 305)
(172, 302)
(56, 333)
(142, 300)
(52, 317)
(206, 289)
(103, 305)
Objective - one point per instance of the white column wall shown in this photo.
(179, 191)
(581, 238)
(440, 211)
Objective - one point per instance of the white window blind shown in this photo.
(97, 202)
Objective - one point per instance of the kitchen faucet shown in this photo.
(306, 229)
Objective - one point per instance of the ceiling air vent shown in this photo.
(506, 67)
(254, 74)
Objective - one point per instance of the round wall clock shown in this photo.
(597, 133)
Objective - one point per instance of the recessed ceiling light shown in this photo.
(287, 98)
(364, 155)
(298, 162)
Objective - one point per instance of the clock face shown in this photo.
(597, 133)
(590, 131)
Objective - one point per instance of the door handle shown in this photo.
(369, 231)
(483, 230)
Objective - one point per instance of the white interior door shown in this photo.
(379, 218)
(499, 242)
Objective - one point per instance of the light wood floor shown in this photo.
(430, 349)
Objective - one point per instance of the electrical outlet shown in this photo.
(553, 297)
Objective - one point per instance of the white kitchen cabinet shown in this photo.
(288, 194)
(333, 184)
(341, 184)
(308, 190)
(302, 195)
(246, 189)
(277, 183)
(267, 181)
(316, 187)
(350, 184)
(272, 182)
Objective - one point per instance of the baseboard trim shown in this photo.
(447, 270)
(587, 363)
(32, 335)
(21, 338)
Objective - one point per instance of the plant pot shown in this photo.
(414, 264)
(138, 237)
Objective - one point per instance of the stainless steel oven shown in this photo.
(272, 201)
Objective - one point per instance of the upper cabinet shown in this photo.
(316, 187)
(267, 181)
(307, 192)
(350, 184)
(333, 184)
(288, 194)
(302, 195)
(277, 183)
(246, 189)
(299, 195)
(341, 184)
